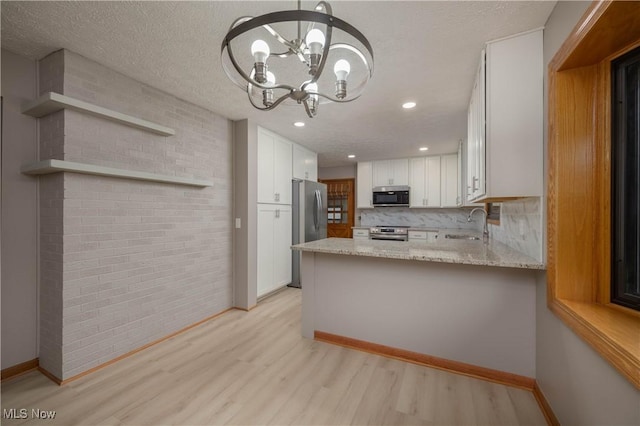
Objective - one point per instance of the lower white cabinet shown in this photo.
(423, 236)
(360, 234)
(274, 247)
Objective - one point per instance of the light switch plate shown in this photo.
(238, 223)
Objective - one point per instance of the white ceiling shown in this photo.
(425, 51)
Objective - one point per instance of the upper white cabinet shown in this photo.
(274, 168)
(364, 183)
(305, 163)
(424, 182)
(391, 172)
(505, 136)
(450, 190)
(435, 181)
(476, 136)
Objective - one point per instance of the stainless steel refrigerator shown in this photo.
(309, 211)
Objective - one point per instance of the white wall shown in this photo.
(340, 172)
(245, 172)
(19, 214)
(582, 388)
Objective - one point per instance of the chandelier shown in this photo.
(273, 60)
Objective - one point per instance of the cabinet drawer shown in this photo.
(417, 235)
(360, 233)
(423, 236)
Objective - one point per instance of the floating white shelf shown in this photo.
(51, 102)
(55, 166)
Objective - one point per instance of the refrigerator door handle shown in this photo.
(316, 210)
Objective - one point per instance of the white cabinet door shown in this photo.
(298, 162)
(514, 116)
(391, 172)
(364, 184)
(274, 247)
(266, 190)
(417, 180)
(274, 168)
(432, 182)
(449, 181)
(382, 173)
(305, 163)
(282, 170)
(424, 182)
(400, 171)
(476, 136)
(265, 252)
(311, 166)
(282, 247)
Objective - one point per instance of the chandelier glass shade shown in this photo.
(305, 57)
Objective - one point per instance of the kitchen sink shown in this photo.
(462, 237)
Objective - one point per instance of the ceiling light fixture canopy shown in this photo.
(281, 69)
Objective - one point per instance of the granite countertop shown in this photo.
(466, 252)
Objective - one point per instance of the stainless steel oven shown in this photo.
(393, 233)
(391, 196)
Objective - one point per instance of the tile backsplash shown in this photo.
(521, 226)
(520, 222)
(425, 218)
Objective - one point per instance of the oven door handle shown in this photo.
(389, 238)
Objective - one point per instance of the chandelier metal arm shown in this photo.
(326, 6)
(281, 39)
(307, 109)
(298, 15)
(273, 105)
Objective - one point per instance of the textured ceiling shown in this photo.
(425, 51)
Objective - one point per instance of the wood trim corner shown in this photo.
(546, 409)
(50, 376)
(496, 376)
(19, 369)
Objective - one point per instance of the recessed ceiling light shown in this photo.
(408, 105)
(351, 156)
(299, 124)
(424, 148)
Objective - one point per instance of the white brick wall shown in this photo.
(141, 259)
(51, 267)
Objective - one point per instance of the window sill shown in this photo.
(613, 333)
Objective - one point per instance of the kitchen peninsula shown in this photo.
(453, 302)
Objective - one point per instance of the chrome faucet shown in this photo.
(485, 231)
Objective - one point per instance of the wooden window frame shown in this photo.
(579, 185)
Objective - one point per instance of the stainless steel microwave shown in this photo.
(391, 196)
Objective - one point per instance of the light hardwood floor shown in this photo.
(253, 368)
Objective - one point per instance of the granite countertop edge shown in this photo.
(504, 256)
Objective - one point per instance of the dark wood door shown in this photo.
(340, 207)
